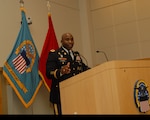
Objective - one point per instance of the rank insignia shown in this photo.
(141, 96)
(62, 59)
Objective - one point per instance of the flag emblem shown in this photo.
(25, 59)
(21, 62)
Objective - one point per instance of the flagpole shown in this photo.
(22, 8)
(48, 6)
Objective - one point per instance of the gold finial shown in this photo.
(21, 3)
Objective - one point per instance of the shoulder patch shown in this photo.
(52, 50)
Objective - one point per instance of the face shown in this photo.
(67, 41)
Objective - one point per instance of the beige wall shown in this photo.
(121, 28)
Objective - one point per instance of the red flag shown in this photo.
(50, 43)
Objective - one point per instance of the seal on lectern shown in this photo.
(141, 96)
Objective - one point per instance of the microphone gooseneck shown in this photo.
(84, 59)
(103, 53)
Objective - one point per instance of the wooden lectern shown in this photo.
(105, 89)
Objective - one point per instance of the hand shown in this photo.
(65, 69)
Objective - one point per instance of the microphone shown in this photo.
(82, 57)
(103, 53)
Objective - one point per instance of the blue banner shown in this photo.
(21, 67)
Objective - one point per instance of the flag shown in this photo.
(49, 44)
(21, 67)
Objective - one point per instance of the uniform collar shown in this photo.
(66, 49)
